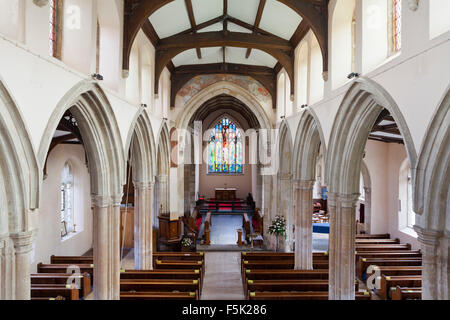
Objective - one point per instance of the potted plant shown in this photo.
(278, 229)
(187, 244)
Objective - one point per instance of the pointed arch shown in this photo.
(104, 150)
(308, 140)
(19, 195)
(356, 116)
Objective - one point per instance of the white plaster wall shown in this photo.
(48, 220)
(383, 162)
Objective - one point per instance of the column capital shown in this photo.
(428, 236)
(345, 200)
(101, 201)
(285, 176)
(303, 184)
(22, 241)
(144, 185)
(117, 199)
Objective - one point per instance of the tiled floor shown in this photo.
(222, 277)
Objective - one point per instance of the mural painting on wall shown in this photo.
(198, 83)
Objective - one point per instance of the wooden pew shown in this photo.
(47, 298)
(286, 285)
(163, 274)
(376, 241)
(382, 247)
(71, 259)
(283, 275)
(152, 285)
(301, 295)
(278, 255)
(400, 270)
(364, 263)
(389, 283)
(388, 254)
(373, 236)
(39, 279)
(63, 268)
(280, 264)
(402, 293)
(180, 264)
(171, 256)
(46, 292)
(159, 296)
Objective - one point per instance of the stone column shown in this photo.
(266, 208)
(163, 192)
(435, 262)
(143, 223)
(22, 247)
(342, 246)
(284, 204)
(303, 210)
(114, 223)
(106, 211)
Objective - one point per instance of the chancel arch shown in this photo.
(19, 196)
(361, 109)
(309, 139)
(103, 146)
(142, 159)
(431, 204)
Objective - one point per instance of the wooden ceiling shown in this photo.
(386, 129)
(314, 14)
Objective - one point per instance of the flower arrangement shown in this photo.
(187, 242)
(278, 227)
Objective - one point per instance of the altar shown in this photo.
(225, 194)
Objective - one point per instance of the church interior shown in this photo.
(224, 149)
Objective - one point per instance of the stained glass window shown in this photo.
(397, 25)
(225, 149)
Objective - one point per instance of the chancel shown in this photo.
(224, 150)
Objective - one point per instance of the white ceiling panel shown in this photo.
(244, 10)
(215, 27)
(385, 123)
(385, 134)
(279, 19)
(170, 19)
(235, 28)
(209, 55)
(205, 10)
(257, 58)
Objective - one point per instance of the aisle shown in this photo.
(222, 277)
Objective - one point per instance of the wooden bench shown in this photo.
(39, 279)
(377, 241)
(46, 292)
(47, 298)
(388, 254)
(364, 263)
(156, 285)
(163, 274)
(71, 259)
(389, 283)
(402, 293)
(382, 247)
(63, 268)
(279, 255)
(180, 264)
(283, 275)
(400, 270)
(159, 296)
(171, 256)
(323, 295)
(280, 264)
(373, 236)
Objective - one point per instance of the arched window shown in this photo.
(225, 148)
(67, 190)
(55, 33)
(407, 217)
